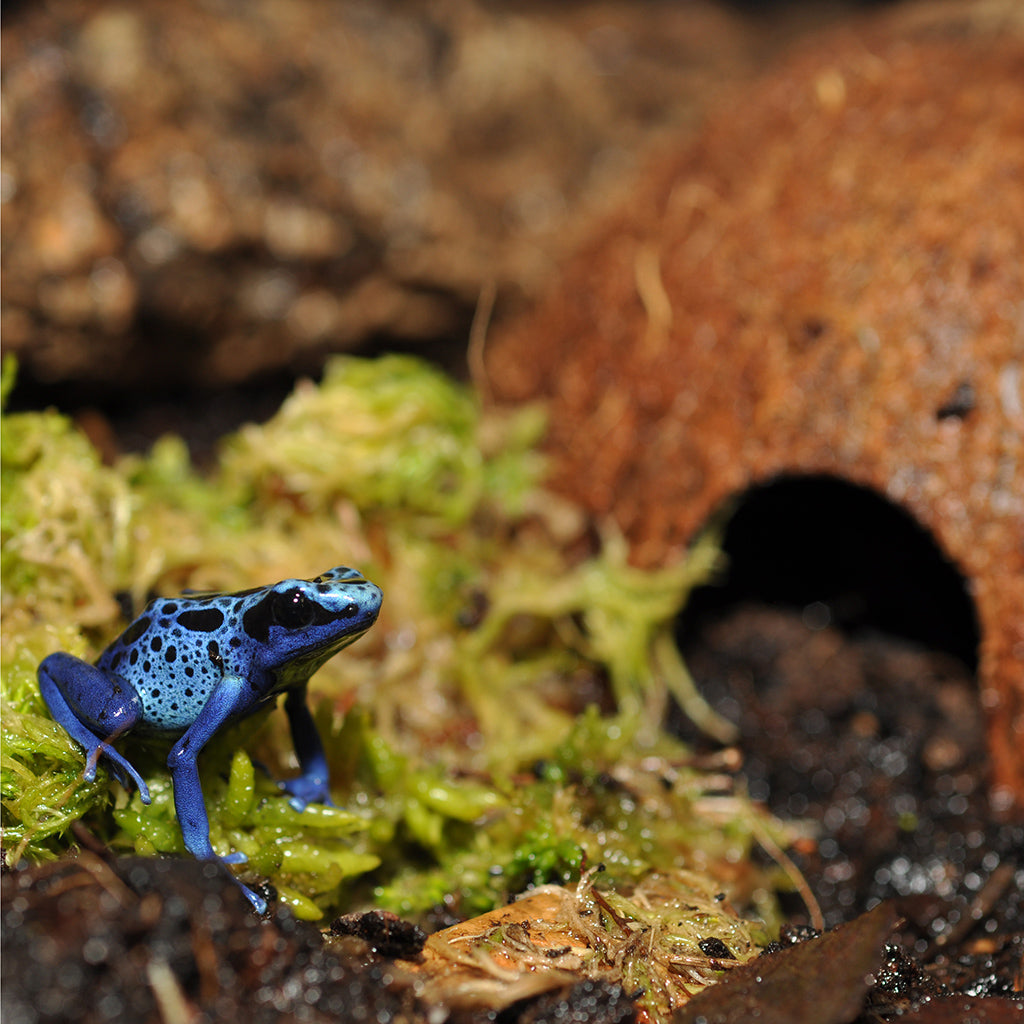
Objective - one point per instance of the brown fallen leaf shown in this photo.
(821, 981)
(461, 966)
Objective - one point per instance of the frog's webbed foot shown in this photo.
(259, 904)
(305, 790)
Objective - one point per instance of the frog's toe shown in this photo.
(126, 774)
(258, 903)
(141, 783)
(305, 791)
(119, 773)
(298, 804)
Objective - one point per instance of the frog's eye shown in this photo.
(292, 609)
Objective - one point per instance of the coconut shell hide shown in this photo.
(829, 280)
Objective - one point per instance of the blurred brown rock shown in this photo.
(195, 193)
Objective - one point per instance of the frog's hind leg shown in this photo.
(94, 708)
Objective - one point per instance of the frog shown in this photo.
(190, 665)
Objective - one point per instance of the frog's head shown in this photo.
(299, 624)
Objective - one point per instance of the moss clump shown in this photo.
(461, 763)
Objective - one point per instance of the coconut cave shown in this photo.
(825, 286)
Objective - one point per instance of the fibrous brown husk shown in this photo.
(829, 280)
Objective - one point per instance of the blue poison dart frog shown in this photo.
(189, 665)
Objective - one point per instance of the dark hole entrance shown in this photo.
(843, 556)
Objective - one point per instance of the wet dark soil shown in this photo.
(98, 940)
(91, 940)
(878, 744)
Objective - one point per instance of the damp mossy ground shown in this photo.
(469, 756)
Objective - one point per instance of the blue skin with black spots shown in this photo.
(189, 665)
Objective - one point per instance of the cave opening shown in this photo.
(841, 555)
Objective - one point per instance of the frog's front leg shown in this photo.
(311, 786)
(229, 698)
(94, 708)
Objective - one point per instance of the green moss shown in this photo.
(607, 796)
(456, 766)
